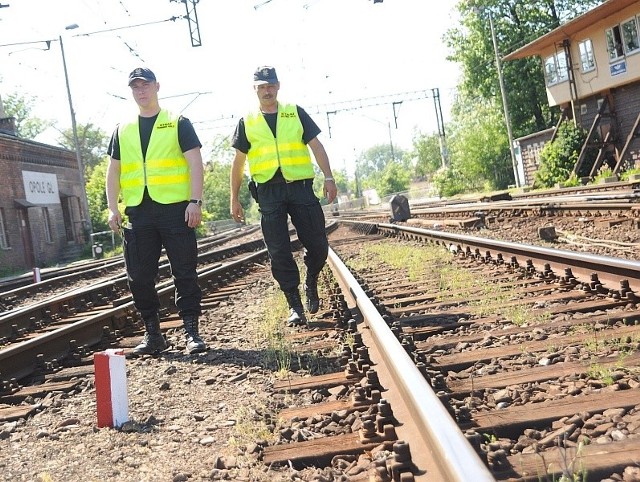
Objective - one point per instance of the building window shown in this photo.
(4, 239)
(630, 36)
(555, 68)
(614, 43)
(47, 225)
(587, 58)
(622, 39)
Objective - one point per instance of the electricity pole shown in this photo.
(76, 143)
(505, 106)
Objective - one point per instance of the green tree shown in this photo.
(426, 150)
(479, 156)
(372, 163)
(479, 147)
(449, 181)
(20, 107)
(477, 139)
(217, 191)
(395, 178)
(92, 142)
(97, 197)
(516, 23)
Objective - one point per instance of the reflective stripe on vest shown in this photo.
(285, 150)
(165, 172)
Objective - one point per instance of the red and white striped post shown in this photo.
(111, 388)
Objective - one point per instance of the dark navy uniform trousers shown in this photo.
(277, 200)
(152, 227)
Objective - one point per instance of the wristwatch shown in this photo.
(196, 201)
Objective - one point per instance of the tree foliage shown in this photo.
(372, 164)
(516, 23)
(97, 197)
(394, 179)
(217, 190)
(426, 149)
(477, 140)
(479, 153)
(373, 161)
(92, 143)
(20, 106)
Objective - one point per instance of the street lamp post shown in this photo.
(505, 106)
(74, 128)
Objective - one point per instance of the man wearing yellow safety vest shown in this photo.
(156, 168)
(275, 140)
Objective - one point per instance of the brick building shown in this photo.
(41, 218)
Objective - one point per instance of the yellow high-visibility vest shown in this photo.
(286, 150)
(166, 170)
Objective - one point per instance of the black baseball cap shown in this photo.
(143, 74)
(265, 75)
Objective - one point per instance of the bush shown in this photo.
(448, 182)
(559, 157)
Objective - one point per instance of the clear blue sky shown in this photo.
(326, 52)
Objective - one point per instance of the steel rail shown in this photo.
(439, 432)
(21, 359)
(609, 271)
(543, 207)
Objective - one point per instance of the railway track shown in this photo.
(514, 386)
(530, 374)
(486, 350)
(68, 324)
(610, 202)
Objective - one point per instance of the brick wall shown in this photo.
(530, 147)
(18, 155)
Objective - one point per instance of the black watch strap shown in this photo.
(196, 201)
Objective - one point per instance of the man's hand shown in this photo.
(115, 221)
(237, 213)
(193, 215)
(330, 190)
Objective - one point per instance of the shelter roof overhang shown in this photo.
(570, 28)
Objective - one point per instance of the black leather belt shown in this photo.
(278, 178)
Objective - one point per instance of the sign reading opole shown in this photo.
(41, 187)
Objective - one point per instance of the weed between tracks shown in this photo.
(272, 330)
(420, 262)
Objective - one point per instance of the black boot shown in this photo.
(194, 342)
(153, 341)
(311, 292)
(296, 312)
